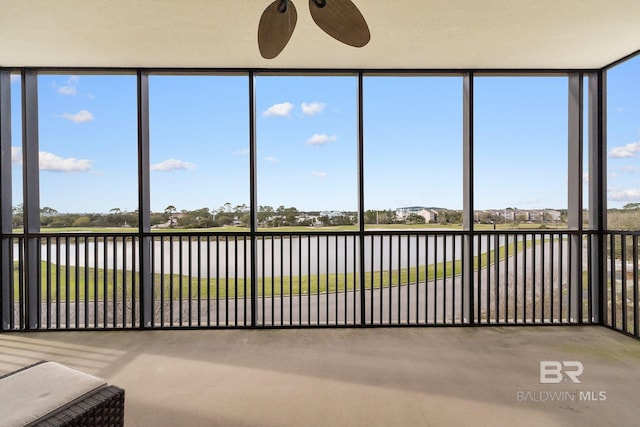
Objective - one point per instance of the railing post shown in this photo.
(598, 193)
(6, 267)
(144, 205)
(253, 199)
(363, 317)
(31, 200)
(468, 219)
(574, 211)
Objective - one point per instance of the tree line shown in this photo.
(628, 217)
(223, 216)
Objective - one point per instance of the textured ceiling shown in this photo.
(424, 34)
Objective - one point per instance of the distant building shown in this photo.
(552, 215)
(514, 214)
(510, 214)
(429, 214)
(331, 214)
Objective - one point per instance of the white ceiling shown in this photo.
(424, 34)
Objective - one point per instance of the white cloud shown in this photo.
(16, 155)
(15, 78)
(629, 150)
(271, 159)
(54, 163)
(51, 162)
(243, 152)
(321, 139)
(319, 174)
(279, 110)
(625, 195)
(629, 169)
(313, 108)
(81, 116)
(173, 165)
(71, 87)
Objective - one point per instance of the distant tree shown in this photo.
(18, 216)
(490, 217)
(341, 220)
(198, 218)
(82, 221)
(244, 220)
(48, 211)
(240, 209)
(370, 217)
(223, 219)
(305, 222)
(158, 218)
(455, 217)
(46, 216)
(631, 206)
(63, 221)
(386, 217)
(129, 219)
(223, 216)
(264, 213)
(413, 218)
(290, 216)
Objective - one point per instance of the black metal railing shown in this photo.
(201, 280)
(273, 279)
(623, 275)
(533, 277)
(83, 281)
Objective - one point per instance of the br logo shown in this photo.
(553, 372)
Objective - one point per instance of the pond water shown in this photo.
(276, 257)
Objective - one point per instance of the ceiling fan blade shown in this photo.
(276, 27)
(342, 20)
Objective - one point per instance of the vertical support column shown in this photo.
(144, 202)
(31, 201)
(574, 212)
(253, 197)
(363, 318)
(6, 268)
(467, 214)
(598, 192)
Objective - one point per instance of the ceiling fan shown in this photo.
(341, 19)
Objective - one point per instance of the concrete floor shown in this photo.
(351, 377)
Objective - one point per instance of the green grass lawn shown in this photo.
(70, 283)
(105, 230)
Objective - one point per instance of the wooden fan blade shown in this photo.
(276, 27)
(342, 20)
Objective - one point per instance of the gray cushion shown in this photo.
(31, 394)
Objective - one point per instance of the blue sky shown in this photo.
(623, 133)
(307, 141)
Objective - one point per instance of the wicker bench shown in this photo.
(50, 394)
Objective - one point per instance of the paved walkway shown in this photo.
(351, 377)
